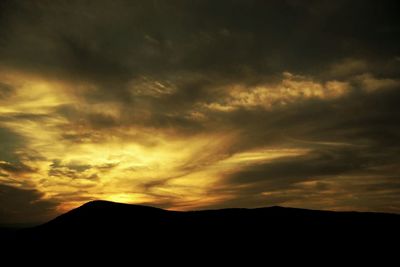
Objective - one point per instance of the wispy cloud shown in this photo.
(190, 105)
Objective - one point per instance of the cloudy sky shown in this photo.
(199, 104)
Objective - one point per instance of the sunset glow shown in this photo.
(177, 107)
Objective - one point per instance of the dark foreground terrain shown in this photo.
(108, 224)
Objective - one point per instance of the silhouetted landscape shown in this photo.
(103, 222)
(250, 125)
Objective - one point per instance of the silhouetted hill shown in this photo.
(102, 223)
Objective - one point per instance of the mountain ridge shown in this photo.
(103, 207)
(105, 222)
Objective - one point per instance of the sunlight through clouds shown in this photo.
(207, 105)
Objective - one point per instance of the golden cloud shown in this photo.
(290, 89)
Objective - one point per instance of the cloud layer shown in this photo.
(199, 104)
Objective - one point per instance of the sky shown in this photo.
(189, 105)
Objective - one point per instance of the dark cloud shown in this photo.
(346, 192)
(112, 42)
(24, 206)
(9, 143)
(360, 119)
(15, 168)
(354, 137)
(89, 119)
(159, 65)
(71, 170)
